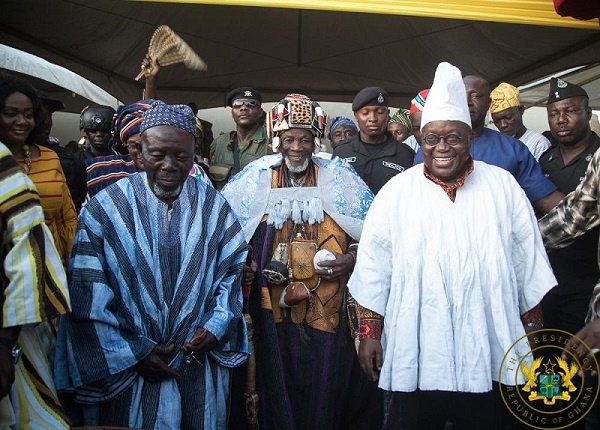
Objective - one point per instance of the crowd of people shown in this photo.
(297, 272)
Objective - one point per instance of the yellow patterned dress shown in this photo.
(59, 210)
(32, 291)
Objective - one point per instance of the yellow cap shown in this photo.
(504, 96)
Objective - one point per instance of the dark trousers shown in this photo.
(430, 410)
(566, 312)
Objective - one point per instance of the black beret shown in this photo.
(370, 96)
(243, 93)
(560, 90)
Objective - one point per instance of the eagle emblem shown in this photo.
(550, 385)
(569, 373)
(531, 374)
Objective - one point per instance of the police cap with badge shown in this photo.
(243, 93)
(560, 90)
(370, 96)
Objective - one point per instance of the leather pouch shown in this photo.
(276, 271)
(302, 253)
(293, 294)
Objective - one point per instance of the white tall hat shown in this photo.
(447, 99)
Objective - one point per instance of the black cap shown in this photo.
(370, 96)
(560, 90)
(243, 93)
(53, 104)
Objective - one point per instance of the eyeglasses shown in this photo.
(450, 139)
(248, 102)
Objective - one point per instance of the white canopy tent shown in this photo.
(57, 82)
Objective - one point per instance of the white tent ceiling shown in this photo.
(326, 55)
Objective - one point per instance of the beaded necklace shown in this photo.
(27, 151)
(287, 179)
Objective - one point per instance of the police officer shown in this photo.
(373, 152)
(96, 122)
(232, 151)
(575, 266)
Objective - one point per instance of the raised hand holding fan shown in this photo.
(168, 48)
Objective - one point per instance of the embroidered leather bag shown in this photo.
(302, 253)
(293, 294)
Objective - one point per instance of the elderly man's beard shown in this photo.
(296, 169)
(161, 193)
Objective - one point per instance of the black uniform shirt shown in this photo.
(376, 164)
(576, 266)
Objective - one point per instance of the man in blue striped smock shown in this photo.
(156, 286)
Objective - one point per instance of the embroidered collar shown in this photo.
(450, 190)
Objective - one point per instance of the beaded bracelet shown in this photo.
(535, 325)
(370, 329)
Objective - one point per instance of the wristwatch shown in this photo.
(16, 352)
(535, 325)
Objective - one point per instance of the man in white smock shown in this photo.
(446, 295)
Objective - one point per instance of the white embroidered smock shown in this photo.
(452, 282)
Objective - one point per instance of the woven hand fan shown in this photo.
(168, 48)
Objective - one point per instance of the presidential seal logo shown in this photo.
(550, 384)
(546, 379)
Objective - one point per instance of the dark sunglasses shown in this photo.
(248, 102)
